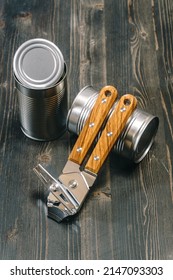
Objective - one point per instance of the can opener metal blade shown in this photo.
(67, 193)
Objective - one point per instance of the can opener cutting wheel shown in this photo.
(67, 193)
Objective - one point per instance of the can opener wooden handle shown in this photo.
(68, 192)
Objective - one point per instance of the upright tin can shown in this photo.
(135, 140)
(41, 83)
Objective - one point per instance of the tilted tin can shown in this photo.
(40, 79)
(137, 136)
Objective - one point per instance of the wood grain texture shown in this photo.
(93, 124)
(112, 130)
(128, 214)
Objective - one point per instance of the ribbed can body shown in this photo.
(41, 85)
(43, 116)
(137, 136)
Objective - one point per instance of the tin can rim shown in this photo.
(46, 92)
(29, 73)
(73, 105)
(143, 143)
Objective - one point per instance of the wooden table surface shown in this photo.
(129, 212)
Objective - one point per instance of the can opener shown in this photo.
(67, 193)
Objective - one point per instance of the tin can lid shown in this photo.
(38, 64)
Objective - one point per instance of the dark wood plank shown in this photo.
(140, 198)
(128, 213)
(25, 225)
(96, 224)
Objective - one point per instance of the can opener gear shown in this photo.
(67, 193)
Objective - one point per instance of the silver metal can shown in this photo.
(137, 136)
(41, 84)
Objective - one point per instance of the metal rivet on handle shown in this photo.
(109, 133)
(123, 109)
(96, 157)
(104, 100)
(91, 124)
